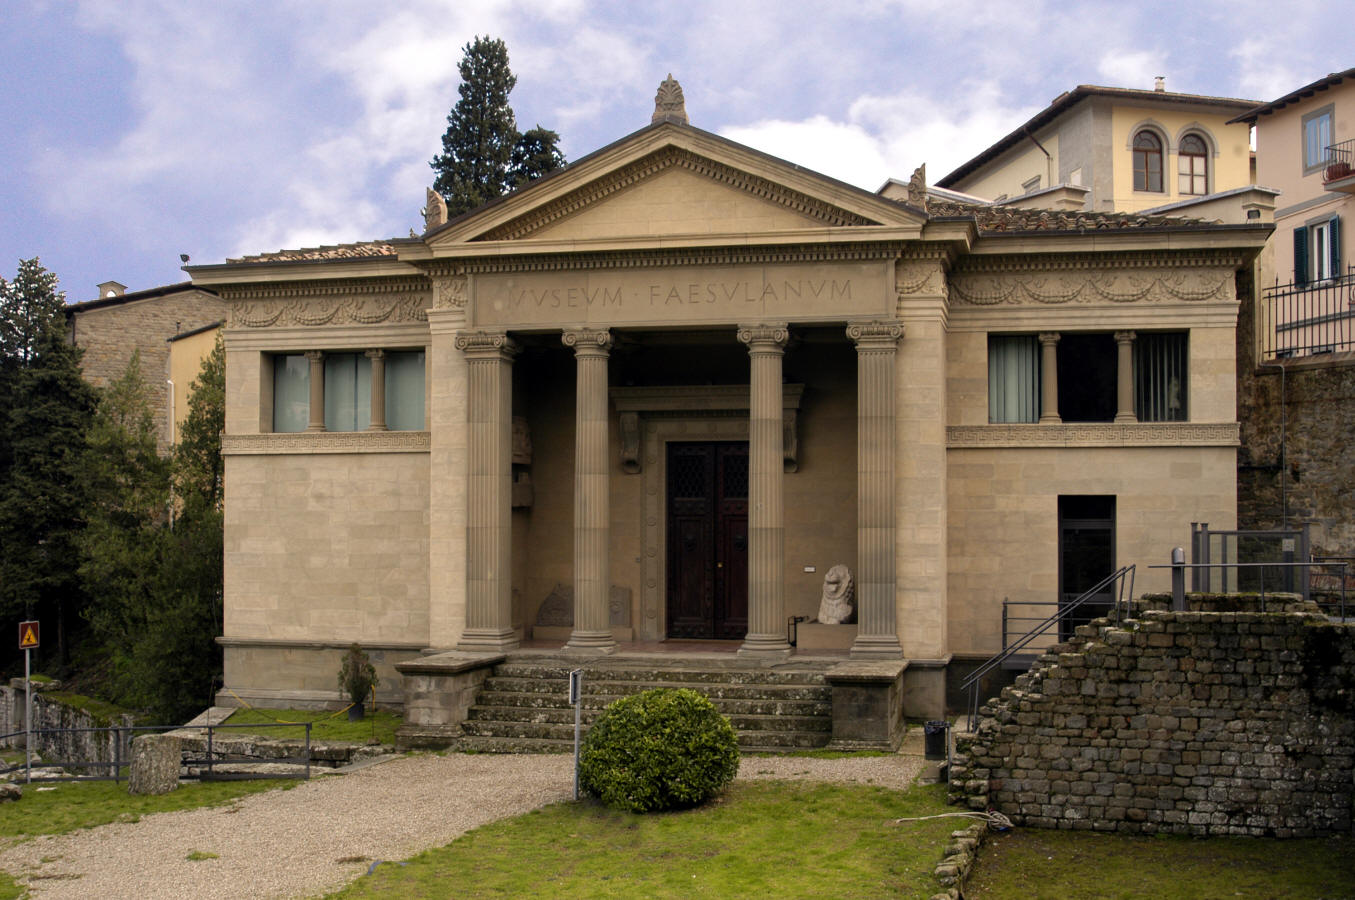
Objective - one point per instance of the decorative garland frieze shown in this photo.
(316, 442)
(338, 302)
(1093, 286)
(655, 163)
(450, 291)
(1095, 434)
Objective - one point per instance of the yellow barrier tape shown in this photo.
(246, 704)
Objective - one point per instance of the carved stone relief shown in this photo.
(350, 310)
(449, 291)
(836, 607)
(1091, 286)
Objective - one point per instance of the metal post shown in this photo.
(576, 698)
(1178, 579)
(28, 716)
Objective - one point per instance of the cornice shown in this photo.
(318, 442)
(649, 166)
(671, 257)
(1095, 434)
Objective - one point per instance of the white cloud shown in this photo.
(1133, 69)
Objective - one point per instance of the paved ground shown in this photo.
(322, 834)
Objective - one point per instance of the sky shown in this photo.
(138, 130)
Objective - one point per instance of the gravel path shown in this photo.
(321, 835)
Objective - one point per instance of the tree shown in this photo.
(28, 304)
(483, 155)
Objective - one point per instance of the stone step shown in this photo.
(756, 705)
(749, 742)
(681, 675)
(613, 689)
(752, 722)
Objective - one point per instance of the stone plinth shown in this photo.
(867, 704)
(155, 764)
(818, 636)
(439, 692)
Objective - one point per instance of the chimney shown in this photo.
(111, 289)
(1159, 82)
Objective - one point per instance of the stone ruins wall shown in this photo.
(1221, 720)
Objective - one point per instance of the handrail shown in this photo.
(1065, 610)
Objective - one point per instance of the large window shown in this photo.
(1192, 166)
(347, 390)
(1147, 162)
(1160, 376)
(1013, 378)
(1087, 372)
(1316, 138)
(1317, 251)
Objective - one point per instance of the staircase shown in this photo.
(524, 705)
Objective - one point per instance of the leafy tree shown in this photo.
(483, 155)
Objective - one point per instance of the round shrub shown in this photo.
(659, 749)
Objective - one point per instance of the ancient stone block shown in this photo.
(155, 764)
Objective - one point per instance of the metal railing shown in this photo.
(205, 767)
(1293, 571)
(1340, 161)
(1119, 585)
(1229, 547)
(1308, 319)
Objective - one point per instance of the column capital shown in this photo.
(588, 341)
(1124, 337)
(375, 354)
(765, 336)
(487, 344)
(1049, 337)
(877, 334)
(315, 355)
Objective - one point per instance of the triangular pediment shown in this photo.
(674, 180)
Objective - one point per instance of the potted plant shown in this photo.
(357, 677)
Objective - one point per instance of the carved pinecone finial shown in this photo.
(669, 104)
(434, 210)
(917, 186)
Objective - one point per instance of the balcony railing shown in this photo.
(1340, 162)
(1308, 319)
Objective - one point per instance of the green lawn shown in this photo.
(1073, 865)
(765, 839)
(328, 726)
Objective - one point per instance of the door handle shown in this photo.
(719, 565)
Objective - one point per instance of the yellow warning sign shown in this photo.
(28, 636)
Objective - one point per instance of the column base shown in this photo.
(489, 640)
(1126, 417)
(876, 646)
(590, 643)
(1051, 420)
(765, 646)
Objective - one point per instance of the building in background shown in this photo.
(1109, 149)
(110, 327)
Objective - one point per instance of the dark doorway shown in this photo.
(1087, 377)
(1086, 556)
(708, 540)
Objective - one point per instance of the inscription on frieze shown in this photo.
(663, 296)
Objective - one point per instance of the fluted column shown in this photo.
(766, 526)
(877, 345)
(1049, 377)
(489, 421)
(316, 421)
(592, 495)
(1124, 377)
(378, 417)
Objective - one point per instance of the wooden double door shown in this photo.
(708, 540)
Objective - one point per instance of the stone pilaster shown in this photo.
(316, 421)
(1049, 377)
(592, 495)
(447, 483)
(489, 382)
(876, 533)
(378, 417)
(766, 526)
(1124, 377)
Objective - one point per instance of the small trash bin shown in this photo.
(934, 739)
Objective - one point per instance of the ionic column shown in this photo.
(877, 346)
(1124, 377)
(592, 498)
(766, 527)
(1049, 377)
(489, 422)
(316, 422)
(378, 418)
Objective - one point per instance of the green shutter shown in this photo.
(1335, 232)
(1301, 255)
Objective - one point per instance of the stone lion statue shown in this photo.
(836, 608)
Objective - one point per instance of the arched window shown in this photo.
(1193, 166)
(1147, 162)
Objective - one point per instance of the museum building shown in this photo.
(653, 398)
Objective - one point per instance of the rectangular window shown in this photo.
(1087, 374)
(404, 391)
(348, 392)
(1160, 366)
(291, 392)
(1191, 175)
(1013, 378)
(1317, 131)
(1317, 251)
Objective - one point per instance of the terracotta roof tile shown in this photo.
(356, 250)
(1010, 218)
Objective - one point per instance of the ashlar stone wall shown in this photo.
(1221, 720)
